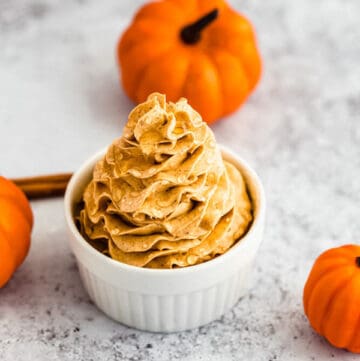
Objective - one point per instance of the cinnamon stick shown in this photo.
(43, 186)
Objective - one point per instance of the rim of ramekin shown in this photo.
(215, 262)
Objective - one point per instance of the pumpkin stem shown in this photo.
(357, 261)
(191, 34)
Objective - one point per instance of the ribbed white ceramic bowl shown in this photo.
(163, 300)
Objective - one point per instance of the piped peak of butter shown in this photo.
(162, 196)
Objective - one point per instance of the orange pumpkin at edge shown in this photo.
(198, 49)
(332, 297)
(16, 221)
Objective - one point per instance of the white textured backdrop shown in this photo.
(60, 101)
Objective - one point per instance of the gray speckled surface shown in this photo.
(60, 102)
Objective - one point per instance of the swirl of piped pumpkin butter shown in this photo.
(162, 196)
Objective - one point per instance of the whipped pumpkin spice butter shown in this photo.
(162, 196)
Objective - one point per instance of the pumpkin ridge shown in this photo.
(194, 61)
(221, 103)
(229, 53)
(251, 82)
(356, 330)
(252, 78)
(19, 252)
(185, 79)
(132, 93)
(16, 221)
(138, 40)
(313, 286)
(338, 333)
(316, 280)
(141, 72)
(181, 88)
(331, 301)
(242, 94)
(244, 67)
(10, 189)
(20, 207)
(9, 266)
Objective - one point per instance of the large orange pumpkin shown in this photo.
(198, 49)
(16, 220)
(332, 297)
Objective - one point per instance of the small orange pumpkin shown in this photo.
(198, 49)
(16, 221)
(332, 297)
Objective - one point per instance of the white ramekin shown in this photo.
(162, 300)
